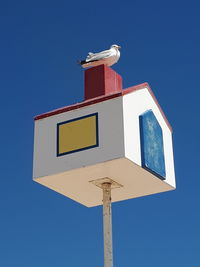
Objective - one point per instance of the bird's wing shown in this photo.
(99, 56)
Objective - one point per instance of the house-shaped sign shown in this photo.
(118, 134)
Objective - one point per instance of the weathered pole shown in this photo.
(107, 225)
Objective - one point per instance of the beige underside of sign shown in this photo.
(79, 184)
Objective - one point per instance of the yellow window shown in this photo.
(77, 134)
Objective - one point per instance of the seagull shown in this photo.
(107, 57)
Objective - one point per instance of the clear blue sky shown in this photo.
(40, 44)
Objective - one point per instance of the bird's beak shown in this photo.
(119, 47)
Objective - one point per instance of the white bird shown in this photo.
(107, 57)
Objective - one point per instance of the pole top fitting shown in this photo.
(106, 185)
(106, 182)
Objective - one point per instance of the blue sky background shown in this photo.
(40, 44)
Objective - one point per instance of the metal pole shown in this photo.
(107, 225)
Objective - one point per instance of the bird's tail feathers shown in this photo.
(81, 62)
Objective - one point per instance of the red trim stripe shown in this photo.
(104, 98)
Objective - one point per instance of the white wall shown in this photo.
(134, 104)
(111, 143)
